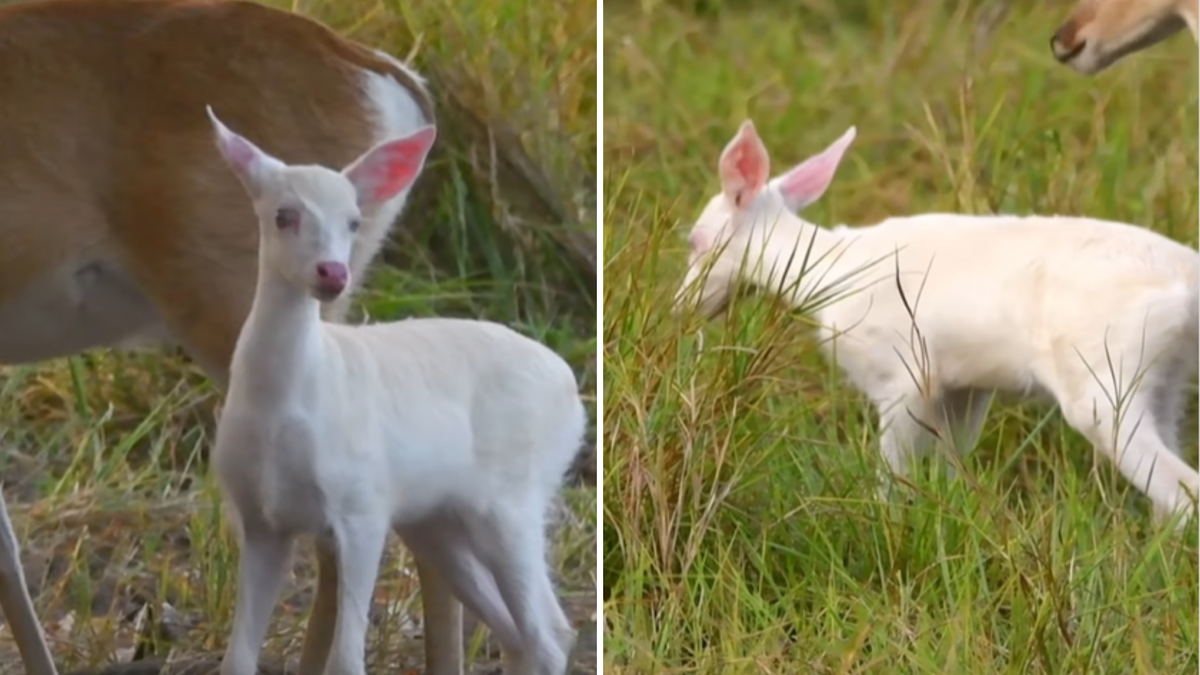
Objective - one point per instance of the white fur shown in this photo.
(1087, 312)
(455, 434)
(394, 112)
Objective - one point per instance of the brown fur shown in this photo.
(107, 147)
(1113, 21)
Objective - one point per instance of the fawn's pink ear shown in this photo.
(805, 184)
(389, 168)
(744, 166)
(245, 159)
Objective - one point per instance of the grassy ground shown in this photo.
(739, 531)
(104, 455)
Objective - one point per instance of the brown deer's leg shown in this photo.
(17, 605)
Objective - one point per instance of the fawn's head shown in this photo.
(308, 215)
(1101, 32)
(747, 202)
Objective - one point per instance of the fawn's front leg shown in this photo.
(358, 544)
(902, 436)
(262, 565)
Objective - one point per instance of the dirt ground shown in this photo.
(583, 661)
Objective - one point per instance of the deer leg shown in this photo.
(446, 545)
(511, 543)
(358, 543)
(443, 622)
(318, 637)
(16, 603)
(263, 563)
(1130, 438)
(905, 420)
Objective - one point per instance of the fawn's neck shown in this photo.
(281, 341)
(797, 259)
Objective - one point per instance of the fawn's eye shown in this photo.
(355, 223)
(286, 217)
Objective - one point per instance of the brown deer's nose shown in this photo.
(1065, 44)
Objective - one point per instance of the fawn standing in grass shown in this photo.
(931, 314)
(455, 434)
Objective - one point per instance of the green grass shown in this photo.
(105, 454)
(740, 530)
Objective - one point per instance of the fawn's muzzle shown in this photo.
(332, 278)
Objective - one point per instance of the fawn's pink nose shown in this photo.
(332, 277)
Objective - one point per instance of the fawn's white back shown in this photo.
(455, 434)
(933, 314)
(119, 225)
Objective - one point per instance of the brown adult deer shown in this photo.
(1101, 32)
(118, 218)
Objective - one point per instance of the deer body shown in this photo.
(455, 434)
(1034, 271)
(1101, 32)
(445, 438)
(1097, 316)
(118, 222)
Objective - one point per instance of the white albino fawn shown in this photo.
(932, 314)
(119, 221)
(456, 434)
(1101, 32)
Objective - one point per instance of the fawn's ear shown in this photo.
(744, 166)
(390, 167)
(250, 164)
(805, 183)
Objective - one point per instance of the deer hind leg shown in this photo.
(510, 540)
(1125, 428)
(17, 605)
(1169, 404)
(444, 555)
